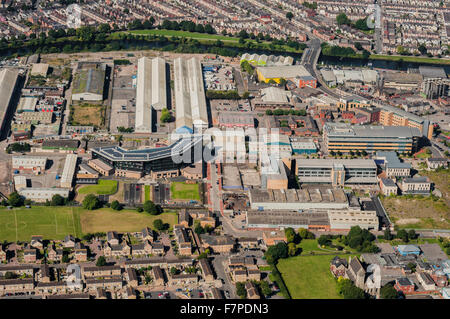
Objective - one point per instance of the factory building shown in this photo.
(8, 83)
(337, 172)
(393, 116)
(34, 164)
(298, 199)
(151, 92)
(296, 73)
(69, 171)
(341, 137)
(266, 60)
(190, 101)
(89, 81)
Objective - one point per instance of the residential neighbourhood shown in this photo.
(205, 149)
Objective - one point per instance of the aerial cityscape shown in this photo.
(224, 149)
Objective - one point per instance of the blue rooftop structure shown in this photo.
(391, 160)
(405, 250)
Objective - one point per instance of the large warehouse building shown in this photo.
(296, 73)
(151, 91)
(8, 84)
(298, 199)
(89, 81)
(337, 172)
(341, 137)
(190, 100)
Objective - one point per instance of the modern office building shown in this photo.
(150, 159)
(189, 91)
(341, 137)
(337, 172)
(393, 116)
(151, 91)
(392, 165)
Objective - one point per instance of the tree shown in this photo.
(422, 49)
(290, 234)
(305, 234)
(342, 19)
(269, 112)
(101, 261)
(293, 249)
(174, 271)
(388, 292)
(403, 235)
(276, 252)
(166, 116)
(57, 200)
(348, 289)
(91, 202)
(265, 289)
(412, 234)
(116, 205)
(289, 15)
(65, 258)
(199, 229)
(15, 199)
(158, 224)
(324, 240)
(387, 234)
(240, 290)
(150, 208)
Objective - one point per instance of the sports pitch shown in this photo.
(19, 224)
(180, 190)
(53, 223)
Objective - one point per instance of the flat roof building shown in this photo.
(189, 91)
(42, 194)
(151, 91)
(337, 172)
(341, 137)
(298, 199)
(69, 170)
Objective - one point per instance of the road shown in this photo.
(219, 266)
(309, 61)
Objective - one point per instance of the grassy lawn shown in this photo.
(56, 222)
(103, 220)
(309, 277)
(180, 190)
(185, 34)
(409, 59)
(104, 187)
(147, 192)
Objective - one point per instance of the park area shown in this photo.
(184, 191)
(87, 114)
(309, 277)
(104, 187)
(19, 224)
(424, 212)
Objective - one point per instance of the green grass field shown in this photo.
(104, 187)
(20, 224)
(185, 34)
(51, 222)
(309, 277)
(180, 190)
(147, 192)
